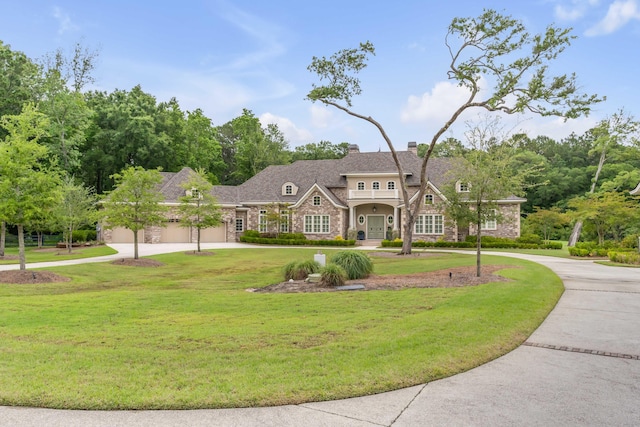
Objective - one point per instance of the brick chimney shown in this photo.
(353, 148)
(413, 147)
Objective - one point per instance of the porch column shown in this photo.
(395, 218)
(352, 224)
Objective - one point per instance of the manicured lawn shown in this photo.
(189, 335)
(47, 254)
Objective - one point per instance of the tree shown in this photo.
(277, 217)
(480, 179)
(609, 134)
(76, 209)
(28, 183)
(547, 222)
(135, 202)
(198, 208)
(320, 151)
(491, 48)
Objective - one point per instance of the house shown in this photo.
(356, 196)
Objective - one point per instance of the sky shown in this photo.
(223, 56)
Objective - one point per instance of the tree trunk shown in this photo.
(406, 239)
(575, 233)
(3, 237)
(478, 245)
(70, 240)
(198, 234)
(135, 244)
(21, 255)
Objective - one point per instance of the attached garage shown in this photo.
(214, 234)
(174, 233)
(124, 235)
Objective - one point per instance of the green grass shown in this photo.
(48, 254)
(189, 335)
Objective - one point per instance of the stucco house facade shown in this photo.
(357, 196)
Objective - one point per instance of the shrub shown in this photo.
(251, 233)
(299, 270)
(84, 235)
(530, 238)
(632, 258)
(292, 236)
(339, 237)
(630, 241)
(333, 275)
(581, 252)
(356, 264)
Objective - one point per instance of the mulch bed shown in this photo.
(447, 278)
(30, 276)
(140, 262)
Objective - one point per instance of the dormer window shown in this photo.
(194, 193)
(289, 189)
(463, 187)
(375, 185)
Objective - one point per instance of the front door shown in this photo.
(375, 227)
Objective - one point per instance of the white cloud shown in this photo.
(320, 116)
(437, 105)
(619, 14)
(576, 10)
(64, 21)
(292, 133)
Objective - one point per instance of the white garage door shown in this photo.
(214, 235)
(124, 235)
(173, 233)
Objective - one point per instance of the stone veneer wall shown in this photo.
(337, 217)
(508, 226)
(450, 230)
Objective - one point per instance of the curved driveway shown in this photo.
(581, 367)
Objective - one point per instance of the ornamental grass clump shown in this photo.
(332, 275)
(299, 270)
(357, 265)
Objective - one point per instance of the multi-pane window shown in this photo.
(316, 200)
(375, 185)
(463, 187)
(428, 199)
(262, 221)
(429, 224)
(318, 224)
(490, 224)
(239, 225)
(360, 185)
(288, 190)
(361, 219)
(284, 221)
(391, 185)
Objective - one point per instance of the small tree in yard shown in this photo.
(198, 208)
(76, 209)
(135, 202)
(492, 48)
(28, 184)
(480, 179)
(546, 222)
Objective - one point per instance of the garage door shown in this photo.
(124, 235)
(214, 235)
(173, 233)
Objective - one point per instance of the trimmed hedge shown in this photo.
(295, 242)
(627, 257)
(491, 243)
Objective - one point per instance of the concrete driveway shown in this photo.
(581, 367)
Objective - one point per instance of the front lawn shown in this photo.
(47, 254)
(189, 334)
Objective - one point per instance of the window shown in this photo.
(262, 221)
(429, 224)
(239, 225)
(463, 187)
(316, 224)
(490, 224)
(428, 199)
(360, 185)
(284, 221)
(391, 185)
(390, 220)
(375, 185)
(361, 219)
(316, 200)
(288, 190)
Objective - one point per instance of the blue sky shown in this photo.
(223, 56)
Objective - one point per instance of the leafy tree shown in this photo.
(198, 208)
(547, 222)
(320, 151)
(76, 209)
(487, 176)
(27, 183)
(200, 148)
(135, 202)
(277, 217)
(490, 48)
(448, 147)
(609, 134)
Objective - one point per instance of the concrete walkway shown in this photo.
(581, 367)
